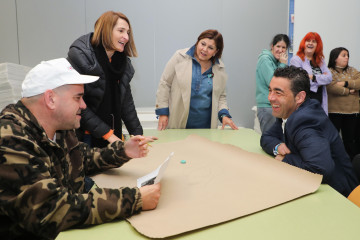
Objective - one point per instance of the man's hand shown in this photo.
(150, 195)
(279, 157)
(283, 149)
(137, 146)
(163, 122)
(228, 121)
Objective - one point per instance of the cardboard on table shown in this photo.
(218, 182)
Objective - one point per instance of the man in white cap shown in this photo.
(43, 166)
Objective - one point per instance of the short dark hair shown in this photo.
(280, 37)
(298, 77)
(334, 54)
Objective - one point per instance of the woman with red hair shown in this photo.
(311, 58)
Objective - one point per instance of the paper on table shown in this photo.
(156, 175)
(219, 182)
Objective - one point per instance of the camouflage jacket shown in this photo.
(42, 182)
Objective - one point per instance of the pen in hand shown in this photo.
(146, 143)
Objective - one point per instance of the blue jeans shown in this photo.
(266, 119)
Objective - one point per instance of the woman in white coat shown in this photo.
(191, 92)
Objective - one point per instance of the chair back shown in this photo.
(355, 196)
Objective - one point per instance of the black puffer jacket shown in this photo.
(82, 57)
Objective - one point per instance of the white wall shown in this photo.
(337, 22)
(37, 30)
(47, 28)
(8, 32)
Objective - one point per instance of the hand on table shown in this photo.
(283, 149)
(137, 146)
(279, 157)
(150, 195)
(228, 121)
(163, 122)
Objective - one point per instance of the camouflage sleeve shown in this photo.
(36, 200)
(100, 159)
(94, 160)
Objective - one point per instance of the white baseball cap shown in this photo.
(51, 74)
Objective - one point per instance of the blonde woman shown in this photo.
(105, 53)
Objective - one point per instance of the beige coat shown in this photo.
(339, 98)
(174, 90)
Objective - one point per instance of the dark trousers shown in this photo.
(347, 125)
(357, 135)
(356, 166)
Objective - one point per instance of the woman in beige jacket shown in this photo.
(191, 92)
(343, 98)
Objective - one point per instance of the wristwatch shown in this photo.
(275, 150)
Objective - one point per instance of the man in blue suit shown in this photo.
(303, 135)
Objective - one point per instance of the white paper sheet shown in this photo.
(156, 175)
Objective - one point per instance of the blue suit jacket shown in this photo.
(315, 146)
